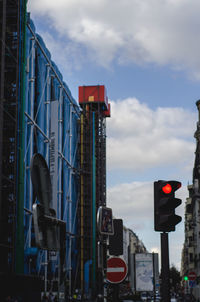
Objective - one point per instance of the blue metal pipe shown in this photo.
(87, 275)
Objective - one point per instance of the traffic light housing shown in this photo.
(116, 240)
(165, 203)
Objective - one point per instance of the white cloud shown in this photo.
(68, 56)
(140, 138)
(154, 250)
(132, 201)
(162, 32)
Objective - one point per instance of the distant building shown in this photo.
(136, 245)
(191, 248)
(188, 247)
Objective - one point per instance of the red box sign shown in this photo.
(89, 94)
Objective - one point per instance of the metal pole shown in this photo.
(82, 206)
(93, 206)
(154, 292)
(70, 202)
(115, 292)
(165, 290)
(47, 160)
(60, 181)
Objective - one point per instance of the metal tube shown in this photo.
(53, 69)
(93, 204)
(82, 209)
(60, 177)
(35, 125)
(32, 89)
(47, 154)
(60, 151)
(165, 290)
(20, 199)
(70, 201)
(47, 103)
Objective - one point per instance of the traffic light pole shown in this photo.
(115, 292)
(165, 220)
(165, 288)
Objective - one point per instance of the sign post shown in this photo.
(116, 273)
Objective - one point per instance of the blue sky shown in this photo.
(146, 53)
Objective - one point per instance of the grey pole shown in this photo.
(165, 290)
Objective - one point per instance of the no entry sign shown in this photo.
(116, 270)
(192, 276)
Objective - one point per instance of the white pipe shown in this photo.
(32, 88)
(47, 155)
(60, 150)
(60, 121)
(70, 200)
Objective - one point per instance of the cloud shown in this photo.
(148, 31)
(141, 138)
(137, 200)
(134, 202)
(154, 250)
(68, 55)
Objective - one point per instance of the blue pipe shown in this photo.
(87, 275)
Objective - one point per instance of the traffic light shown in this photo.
(116, 240)
(186, 278)
(165, 203)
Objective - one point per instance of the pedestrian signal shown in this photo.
(105, 221)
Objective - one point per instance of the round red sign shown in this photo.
(192, 276)
(116, 270)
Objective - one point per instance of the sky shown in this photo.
(147, 54)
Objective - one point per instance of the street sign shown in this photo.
(192, 276)
(116, 270)
(105, 221)
(192, 283)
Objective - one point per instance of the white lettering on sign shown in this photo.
(54, 152)
(115, 269)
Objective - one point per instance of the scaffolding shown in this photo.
(39, 115)
(93, 179)
(51, 129)
(10, 29)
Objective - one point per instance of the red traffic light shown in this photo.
(165, 203)
(167, 189)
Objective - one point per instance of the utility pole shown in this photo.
(165, 290)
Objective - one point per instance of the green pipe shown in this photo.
(20, 197)
(93, 206)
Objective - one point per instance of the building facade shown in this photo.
(191, 248)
